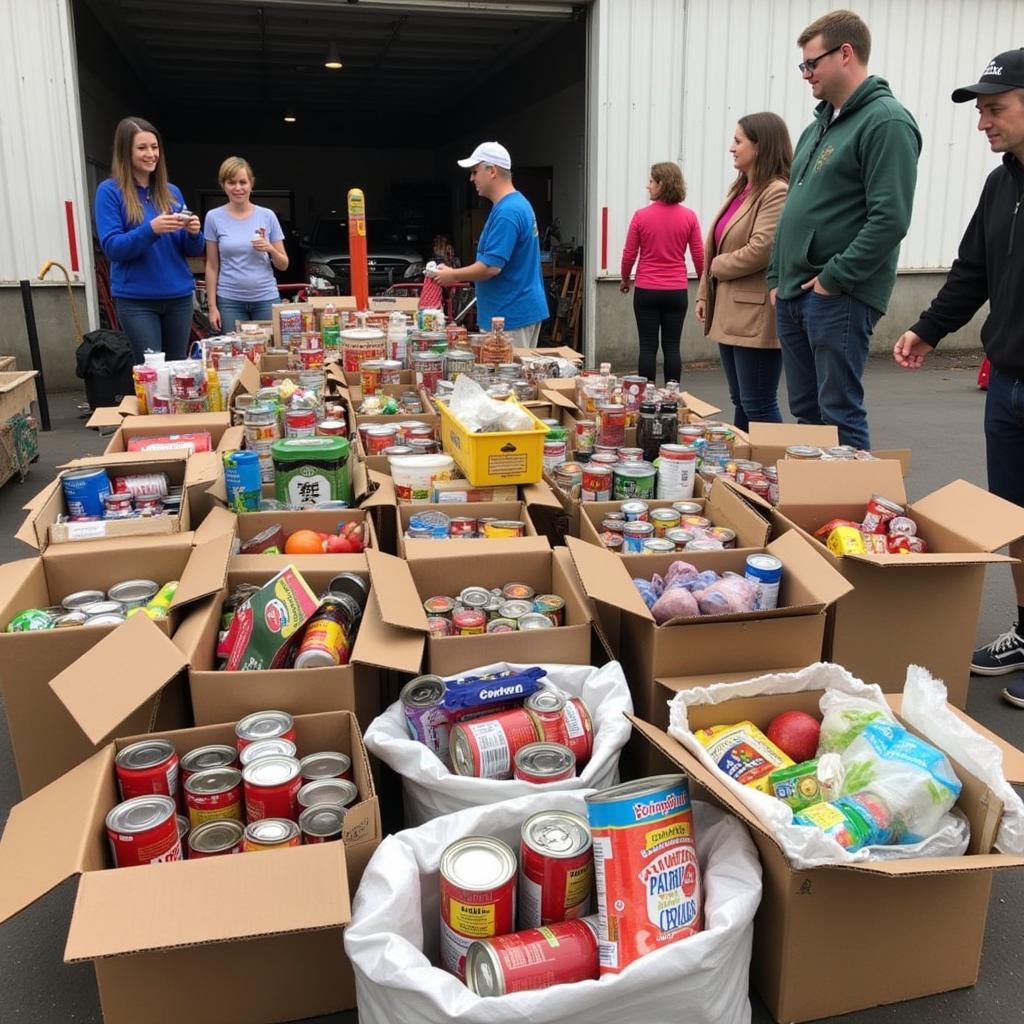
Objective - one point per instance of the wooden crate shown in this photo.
(17, 392)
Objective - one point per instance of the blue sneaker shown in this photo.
(1001, 657)
(1015, 694)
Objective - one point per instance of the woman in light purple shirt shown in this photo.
(244, 245)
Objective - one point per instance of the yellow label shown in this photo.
(578, 884)
(677, 830)
(197, 816)
(471, 918)
(825, 816)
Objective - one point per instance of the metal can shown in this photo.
(544, 762)
(422, 700)
(144, 830)
(486, 747)
(469, 622)
(428, 368)
(723, 533)
(326, 764)
(663, 520)
(214, 793)
(556, 868)
(147, 767)
(478, 896)
(300, 423)
(633, 536)
(902, 526)
(322, 823)
(102, 608)
(677, 471)
(328, 635)
(504, 528)
(645, 861)
(658, 546)
(555, 453)
(559, 954)
(565, 720)
(439, 605)
(271, 834)
(337, 792)
(766, 572)
(517, 592)
(200, 759)
(515, 610)
(133, 593)
(272, 788)
(264, 725)
(500, 625)
(552, 606)
(80, 599)
(275, 747)
(535, 620)
(118, 506)
(803, 451)
(214, 838)
(380, 436)
(635, 511)
(438, 626)
(633, 480)
(596, 482)
(688, 508)
(611, 425)
(84, 490)
(462, 526)
(880, 512)
(585, 435)
(475, 597)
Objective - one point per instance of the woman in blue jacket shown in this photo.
(147, 233)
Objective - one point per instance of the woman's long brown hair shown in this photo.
(121, 169)
(774, 151)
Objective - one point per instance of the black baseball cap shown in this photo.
(1005, 71)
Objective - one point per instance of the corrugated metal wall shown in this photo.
(671, 77)
(41, 155)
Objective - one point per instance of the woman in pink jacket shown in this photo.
(661, 233)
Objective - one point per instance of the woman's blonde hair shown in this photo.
(121, 169)
(669, 179)
(230, 168)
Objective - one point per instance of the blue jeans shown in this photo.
(825, 342)
(753, 375)
(156, 325)
(232, 310)
(1004, 436)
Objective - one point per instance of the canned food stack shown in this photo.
(637, 529)
(504, 609)
(91, 495)
(885, 530)
(213, 800)
(433, 524)
(100, 608)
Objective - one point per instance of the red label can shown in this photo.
(611, 425)
(478, 896)
(486, 747)
(468, 621)
(380, 436)
(144, 830)
(563, 720)
(214, 793)
(299, 422)
(880, 512)
(556, 868)
(597, 483)
(462, 526)
(272, 787)
(556, 954)
(148, 767)
(544, 762)
(264, 725)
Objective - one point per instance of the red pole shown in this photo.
(359, 273)
(69, 213)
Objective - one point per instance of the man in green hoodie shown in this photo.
(833, 263)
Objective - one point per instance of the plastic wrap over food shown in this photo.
(479, 413)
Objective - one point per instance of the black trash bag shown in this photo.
(104, 361)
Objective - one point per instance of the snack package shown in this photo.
(743, 752)
(811, 782)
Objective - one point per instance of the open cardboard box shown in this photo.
(402, 587)
(767, 443)
(250, 524)
(247, 382)
(558, 352)
(899, 929)
(76, 687)
(482, 547)
(902, 609)
(225, 437)
(219, 696)
(722, 506)
(42, 528)
(254, 939)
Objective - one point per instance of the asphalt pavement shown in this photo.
(937, 412)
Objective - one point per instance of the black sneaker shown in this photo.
(1004, 655)
(1015, 694)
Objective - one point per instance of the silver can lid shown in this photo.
(545, 759)
(460, 753)
(276, 747)
(217, 836)
(271, 831)
(69, 619)
(315, 658)
(322, 820)
(80, 598)
(478, 863)
(214, 755)
(213, 781)
(107, 619)
(475, 597)
(545, 700)
(133, 591)
(515, 609)
(325, 764)
(145, 754)
(557, 834)
(140, 814)
(484, 973)
(102, 608)
(337, 792)
(535, 620)
(270, 771)
(422, 692)
(263, 725)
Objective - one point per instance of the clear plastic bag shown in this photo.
(478, 413)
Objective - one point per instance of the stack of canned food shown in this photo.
(503, 725)
(258, 794)
(99, 608)
(637, 529)
(93, 494)
(435, 525)
(406, 437)
(885, 530)
(504, 609)
(633, 860)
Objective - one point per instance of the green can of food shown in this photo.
(633, 480)
(308, 470)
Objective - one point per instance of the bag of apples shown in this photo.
(842, 785)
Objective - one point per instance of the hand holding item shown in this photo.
(260, 242)
(624, 286)
(192, 223)
(165, 223)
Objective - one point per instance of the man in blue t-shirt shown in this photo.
(507, 267)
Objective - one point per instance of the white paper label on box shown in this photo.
(86, 531)
(451, 497)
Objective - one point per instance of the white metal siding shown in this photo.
(41, 153)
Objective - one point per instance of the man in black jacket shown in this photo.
(990, 266)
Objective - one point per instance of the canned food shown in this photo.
(214, 755)
(462, 526)
(275, 747)
(322, 823)
(486, 747)
(556, 868)
(213, 838)
(633, 480)
(635, 511)
(104, 619)
(500, 625)
(596, 482)
(902, 526)
(79, 600)
(803, 451)
(69, 619)
(633, 536)
(422, 700)
(326, 764)
(337, 792)
(688, 508)
(552, 606)
(144, 830)
(880, 512)
(544, 762)
(147, 767)
(723, 533)
(264, 725)
(133, 593)
(565, 720)
(658, 546)
(585, 435)
(663, 520)
(102, 608)
(504, 528)
(118, 506)
(515, 610)
(475, 597)
(469, 621)
(270, 834)
(766, 572)
(438, 626)
(478, 896)
(214, 793)
(439, 606)
(272, 788)
(517, 592)
(677, 471)
(535, 620)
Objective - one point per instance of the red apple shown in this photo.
(795, 733)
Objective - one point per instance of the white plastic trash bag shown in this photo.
(393, 941)
(806, 846)
(431, 790)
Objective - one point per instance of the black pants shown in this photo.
(661, 311)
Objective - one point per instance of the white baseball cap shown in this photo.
(489, 153)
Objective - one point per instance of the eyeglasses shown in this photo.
(812, 62)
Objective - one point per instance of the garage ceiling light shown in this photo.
(333, 59)
(289, 116)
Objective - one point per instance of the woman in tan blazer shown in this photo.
(732, 298)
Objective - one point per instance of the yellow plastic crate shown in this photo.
(499, 457)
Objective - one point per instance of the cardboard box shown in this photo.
(226, 696)
(250, 524)
(402, 587)
(903, 609)
(216, 424)
(767, 443)
(256, 939)
(559, 352)
(906, 928)
(482, 547)
(76, 687)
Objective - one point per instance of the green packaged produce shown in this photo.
(797, 785)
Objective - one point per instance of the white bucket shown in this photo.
(414, 475)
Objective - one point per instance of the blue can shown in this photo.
(766, 572)
(242, 481)
(84, 490)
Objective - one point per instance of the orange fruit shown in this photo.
(304, 542)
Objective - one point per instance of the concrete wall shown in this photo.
(616, 337)
(57, 336)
